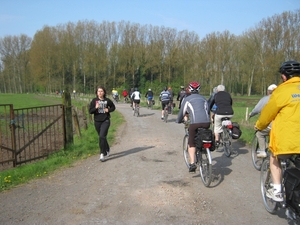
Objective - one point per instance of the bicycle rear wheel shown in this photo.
(205, 166)
(166, 115)
(265, 184)
(257, 162)
(186, 155)
(226, 142)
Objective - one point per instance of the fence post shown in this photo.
(76, 123)
(68, 118)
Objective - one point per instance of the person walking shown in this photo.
(101, 107)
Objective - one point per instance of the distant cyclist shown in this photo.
(181, 95)
(125, 94)
(115, 94)
(197, 108)
(223, 102)
(164, 97)
(149, 96)
(136, 98)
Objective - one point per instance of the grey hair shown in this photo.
(215, 90)
(221, 87)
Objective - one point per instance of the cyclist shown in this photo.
(130, 93)
(149, 96)
(172, 95)
(125, 94)
(261, 134)
(223, 102)
(181, 95)
(136, 98)
(115, 94)
(197, 108)
(283, 108)
(164, 97)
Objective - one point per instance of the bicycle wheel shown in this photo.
(205, 166)
(186, 155)
(265, 184)
(257, 162)
(166, 115)
(226, 142)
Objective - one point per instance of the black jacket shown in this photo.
(223, 101)
(99, 114)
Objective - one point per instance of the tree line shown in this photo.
(79, 56)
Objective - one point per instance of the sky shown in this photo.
(200, 16)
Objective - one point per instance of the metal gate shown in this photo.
(29, 134)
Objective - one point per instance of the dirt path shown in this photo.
(145, 181)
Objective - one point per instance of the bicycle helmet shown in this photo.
(165, 88)
(194, 87)
(181, 87)
(289, 68)
(135, 88)
(149, 89)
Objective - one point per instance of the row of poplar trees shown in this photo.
(79, 56)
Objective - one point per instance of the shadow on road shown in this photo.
(128, 152)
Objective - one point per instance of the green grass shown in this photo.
(83, 147)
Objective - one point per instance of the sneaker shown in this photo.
(102, 159)
(277, 197)
(107, 153)
(217, 144)
(192, 168)
(261, 154)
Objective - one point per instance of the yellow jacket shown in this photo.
(283, 109)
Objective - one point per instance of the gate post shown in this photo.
(68, 118)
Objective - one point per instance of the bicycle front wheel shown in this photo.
(257, 162)
(226, 142)
(186, 155)
(205, 167)
(265, 184)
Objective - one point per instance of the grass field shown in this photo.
(87, 146)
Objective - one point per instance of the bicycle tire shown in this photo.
(265, 184)
(166, 115)
(205, 166)
(186, 155)
(257, 162)
(226, 142)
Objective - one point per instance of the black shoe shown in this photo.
(192, 168)
(217, 144)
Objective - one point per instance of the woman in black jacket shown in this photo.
(101, 106)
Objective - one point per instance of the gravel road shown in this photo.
(144, 181)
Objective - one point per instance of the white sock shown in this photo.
(277, 188)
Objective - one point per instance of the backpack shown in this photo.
(236, 131)
(292, 188)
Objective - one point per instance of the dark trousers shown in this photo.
(102, 130)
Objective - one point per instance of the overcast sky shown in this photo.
(201, 16)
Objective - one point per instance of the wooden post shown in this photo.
(85, 126)
(247, 114)
(68, 118)
(76, 123)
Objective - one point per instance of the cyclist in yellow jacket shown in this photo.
(283, 109)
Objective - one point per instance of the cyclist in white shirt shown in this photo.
(136, 97)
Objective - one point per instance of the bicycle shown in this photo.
(266, 183)
(150, 105)
(257, 161)
(136, 110)
(126, 99)
(226, 136)
(203, 153)
(167, 112)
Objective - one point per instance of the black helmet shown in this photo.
(194, 87)
(135, 88)
(289, 68)
(165, 88)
